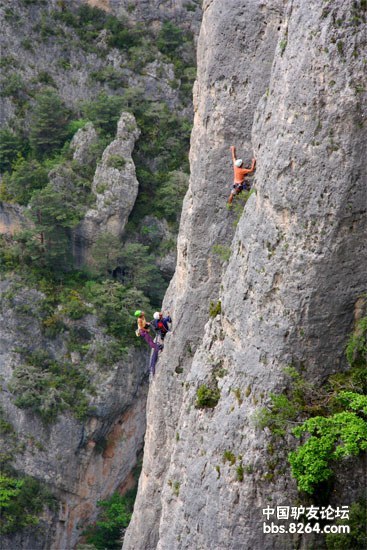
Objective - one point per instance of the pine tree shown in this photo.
(48, 124)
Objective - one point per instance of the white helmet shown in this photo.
(238, 162)
(156, 315)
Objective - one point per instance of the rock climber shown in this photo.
(143, 330)
(161, 324)
(239, 174)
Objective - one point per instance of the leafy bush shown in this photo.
(332, 438)
(357, 538)
(206, 397)
(337, 417)
(228, 456)
(171, 194)
(13, 86)
(22, 499)
(224, 252)
(107, 533)
(116, 161)
(48, 387)
(169, 38)
(73, 305)
(215, 308)
(109, 354)
(356, 350)
(115, 304)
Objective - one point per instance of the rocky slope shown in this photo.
(283, 80)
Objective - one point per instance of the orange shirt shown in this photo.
(239, 173)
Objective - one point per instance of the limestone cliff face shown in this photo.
(282, 80)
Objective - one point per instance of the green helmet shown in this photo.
(137, 313)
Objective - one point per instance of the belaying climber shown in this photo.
(239, 174)
(143, 330)
(161, 323)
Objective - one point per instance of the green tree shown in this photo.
(104, 112)
(106, 253)
(11, 145)
(171, 194)
(26, 177)
(140, 271)
(115, 305)
(170, 38)
(49, 124)
(47, 244)
(115, 516)
(21, 500)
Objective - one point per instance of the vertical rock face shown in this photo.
(282, 79)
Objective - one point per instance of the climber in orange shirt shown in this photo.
(239, 174)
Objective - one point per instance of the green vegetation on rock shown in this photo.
(333, 417)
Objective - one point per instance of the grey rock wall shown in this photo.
(11, 218)
(282, 79)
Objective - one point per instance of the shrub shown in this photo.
(215, 308)
(115, 304)
(169, 38)
(356, 539)
(109, 353)
(228, 456)
(48, 387)
(331, 438)
(141, 272)
(116, 512)
(73, 305)
(13, 86)
(356, 350)
(206, 397)
(22, 499)
(171, 194)
(116, 161)
(224, 252)
(240, 472)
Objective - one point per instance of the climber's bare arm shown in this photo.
(233, 151)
